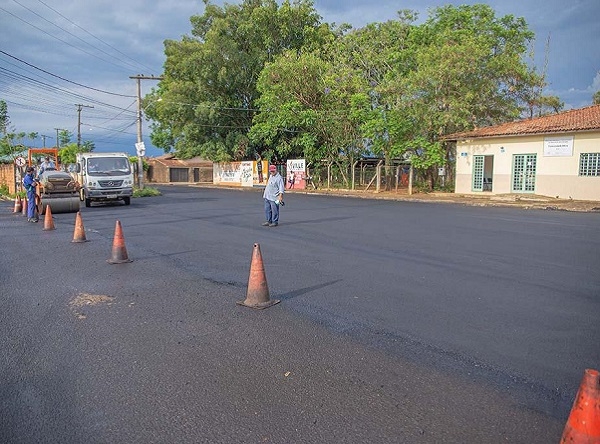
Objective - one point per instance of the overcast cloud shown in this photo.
(101, 43)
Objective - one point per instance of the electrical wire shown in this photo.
(62, 78)
(92, 35)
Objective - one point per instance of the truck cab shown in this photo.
(104, 177)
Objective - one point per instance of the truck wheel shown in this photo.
(88, 202)
(127, 200)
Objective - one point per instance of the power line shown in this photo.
(92, 35)
(59, 39)
(70, 33)
(62, 78)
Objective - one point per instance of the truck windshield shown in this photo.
(108, 166)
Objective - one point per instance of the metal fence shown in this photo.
(370, 174)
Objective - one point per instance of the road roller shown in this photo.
(56, 188)
(59, 190)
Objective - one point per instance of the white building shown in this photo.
(556, 156)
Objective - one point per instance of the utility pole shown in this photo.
(57, 138)
(139, 146)
(79, 108)
(43, 136)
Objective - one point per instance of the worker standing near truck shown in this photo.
(29, 182)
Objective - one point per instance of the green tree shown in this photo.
(69, 150)
(377, 54)
(596, 98)
(9, 145)
(550, 105)
(304, 106)
(64, 137)
(469, 72)
(209, 88)
(4, 118)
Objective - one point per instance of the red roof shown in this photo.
(582, 119)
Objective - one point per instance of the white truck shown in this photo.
(104, 177)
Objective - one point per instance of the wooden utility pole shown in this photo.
(79, 108)
(140, 142)
(57, 138)
(43, 136)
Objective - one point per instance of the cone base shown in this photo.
(118, 261)
(79, 240)
(260, 305)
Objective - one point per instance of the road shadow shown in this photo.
(301, 291)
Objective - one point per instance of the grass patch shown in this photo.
(146, 192)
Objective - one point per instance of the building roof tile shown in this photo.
(575, 120)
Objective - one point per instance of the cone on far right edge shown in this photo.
(119, 252)
(583, 425)
(79, 232)
(257, 295)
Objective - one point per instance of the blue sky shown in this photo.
(58, 54)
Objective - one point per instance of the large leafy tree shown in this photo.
(305, 102)
(391, 88)
(377, 54)
(470, 71)
(209, 89)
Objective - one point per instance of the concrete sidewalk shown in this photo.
(525, 201)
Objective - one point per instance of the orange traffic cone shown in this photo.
(257, 295)
(48, 221)
(583, 425)
(18, 205)
(119, 252)
(24, 212)
(79, 233)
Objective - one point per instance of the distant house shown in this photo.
(169, 169)
(556, 155)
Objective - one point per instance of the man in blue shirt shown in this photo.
(46, 165)
(273, 196)
(29, 183)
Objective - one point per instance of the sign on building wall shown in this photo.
(228, 173)
(259, 172)
(245, 174)
(558, 146)
(295, 174)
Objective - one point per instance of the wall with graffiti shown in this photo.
(295, 174)
(241, 174)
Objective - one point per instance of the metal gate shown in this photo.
(524, 170)
(179, 175)
(478, 164)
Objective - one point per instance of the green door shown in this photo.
(523, 176)
(478, 163)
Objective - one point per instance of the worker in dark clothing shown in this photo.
(29, 182)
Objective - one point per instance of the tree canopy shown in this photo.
(260, 79)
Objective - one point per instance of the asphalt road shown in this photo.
(400, 322)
